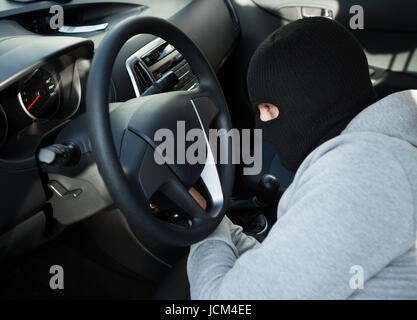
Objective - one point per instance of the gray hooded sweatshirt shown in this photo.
(346, 226)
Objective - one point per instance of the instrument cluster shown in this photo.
(39, 96)
(50, 92)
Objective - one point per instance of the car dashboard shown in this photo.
(44, 74)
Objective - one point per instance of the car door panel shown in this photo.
(389, 40)
(389, 36)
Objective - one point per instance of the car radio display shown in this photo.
(157, 54)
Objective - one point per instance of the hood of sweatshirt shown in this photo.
(394, 116)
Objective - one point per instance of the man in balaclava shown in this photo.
(308, 80)
(346, 225)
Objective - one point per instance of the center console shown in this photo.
(153, 61)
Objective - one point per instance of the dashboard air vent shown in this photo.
(144, 80)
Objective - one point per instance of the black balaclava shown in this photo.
(317, 74)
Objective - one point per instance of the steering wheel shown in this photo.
(124, 147)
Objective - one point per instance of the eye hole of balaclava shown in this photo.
(317, 73)
(267, 111)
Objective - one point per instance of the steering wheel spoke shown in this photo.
(205, 107)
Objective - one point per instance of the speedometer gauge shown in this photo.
(40, 96)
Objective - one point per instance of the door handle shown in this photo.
(309, 12)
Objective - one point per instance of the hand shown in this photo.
(198, 197)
